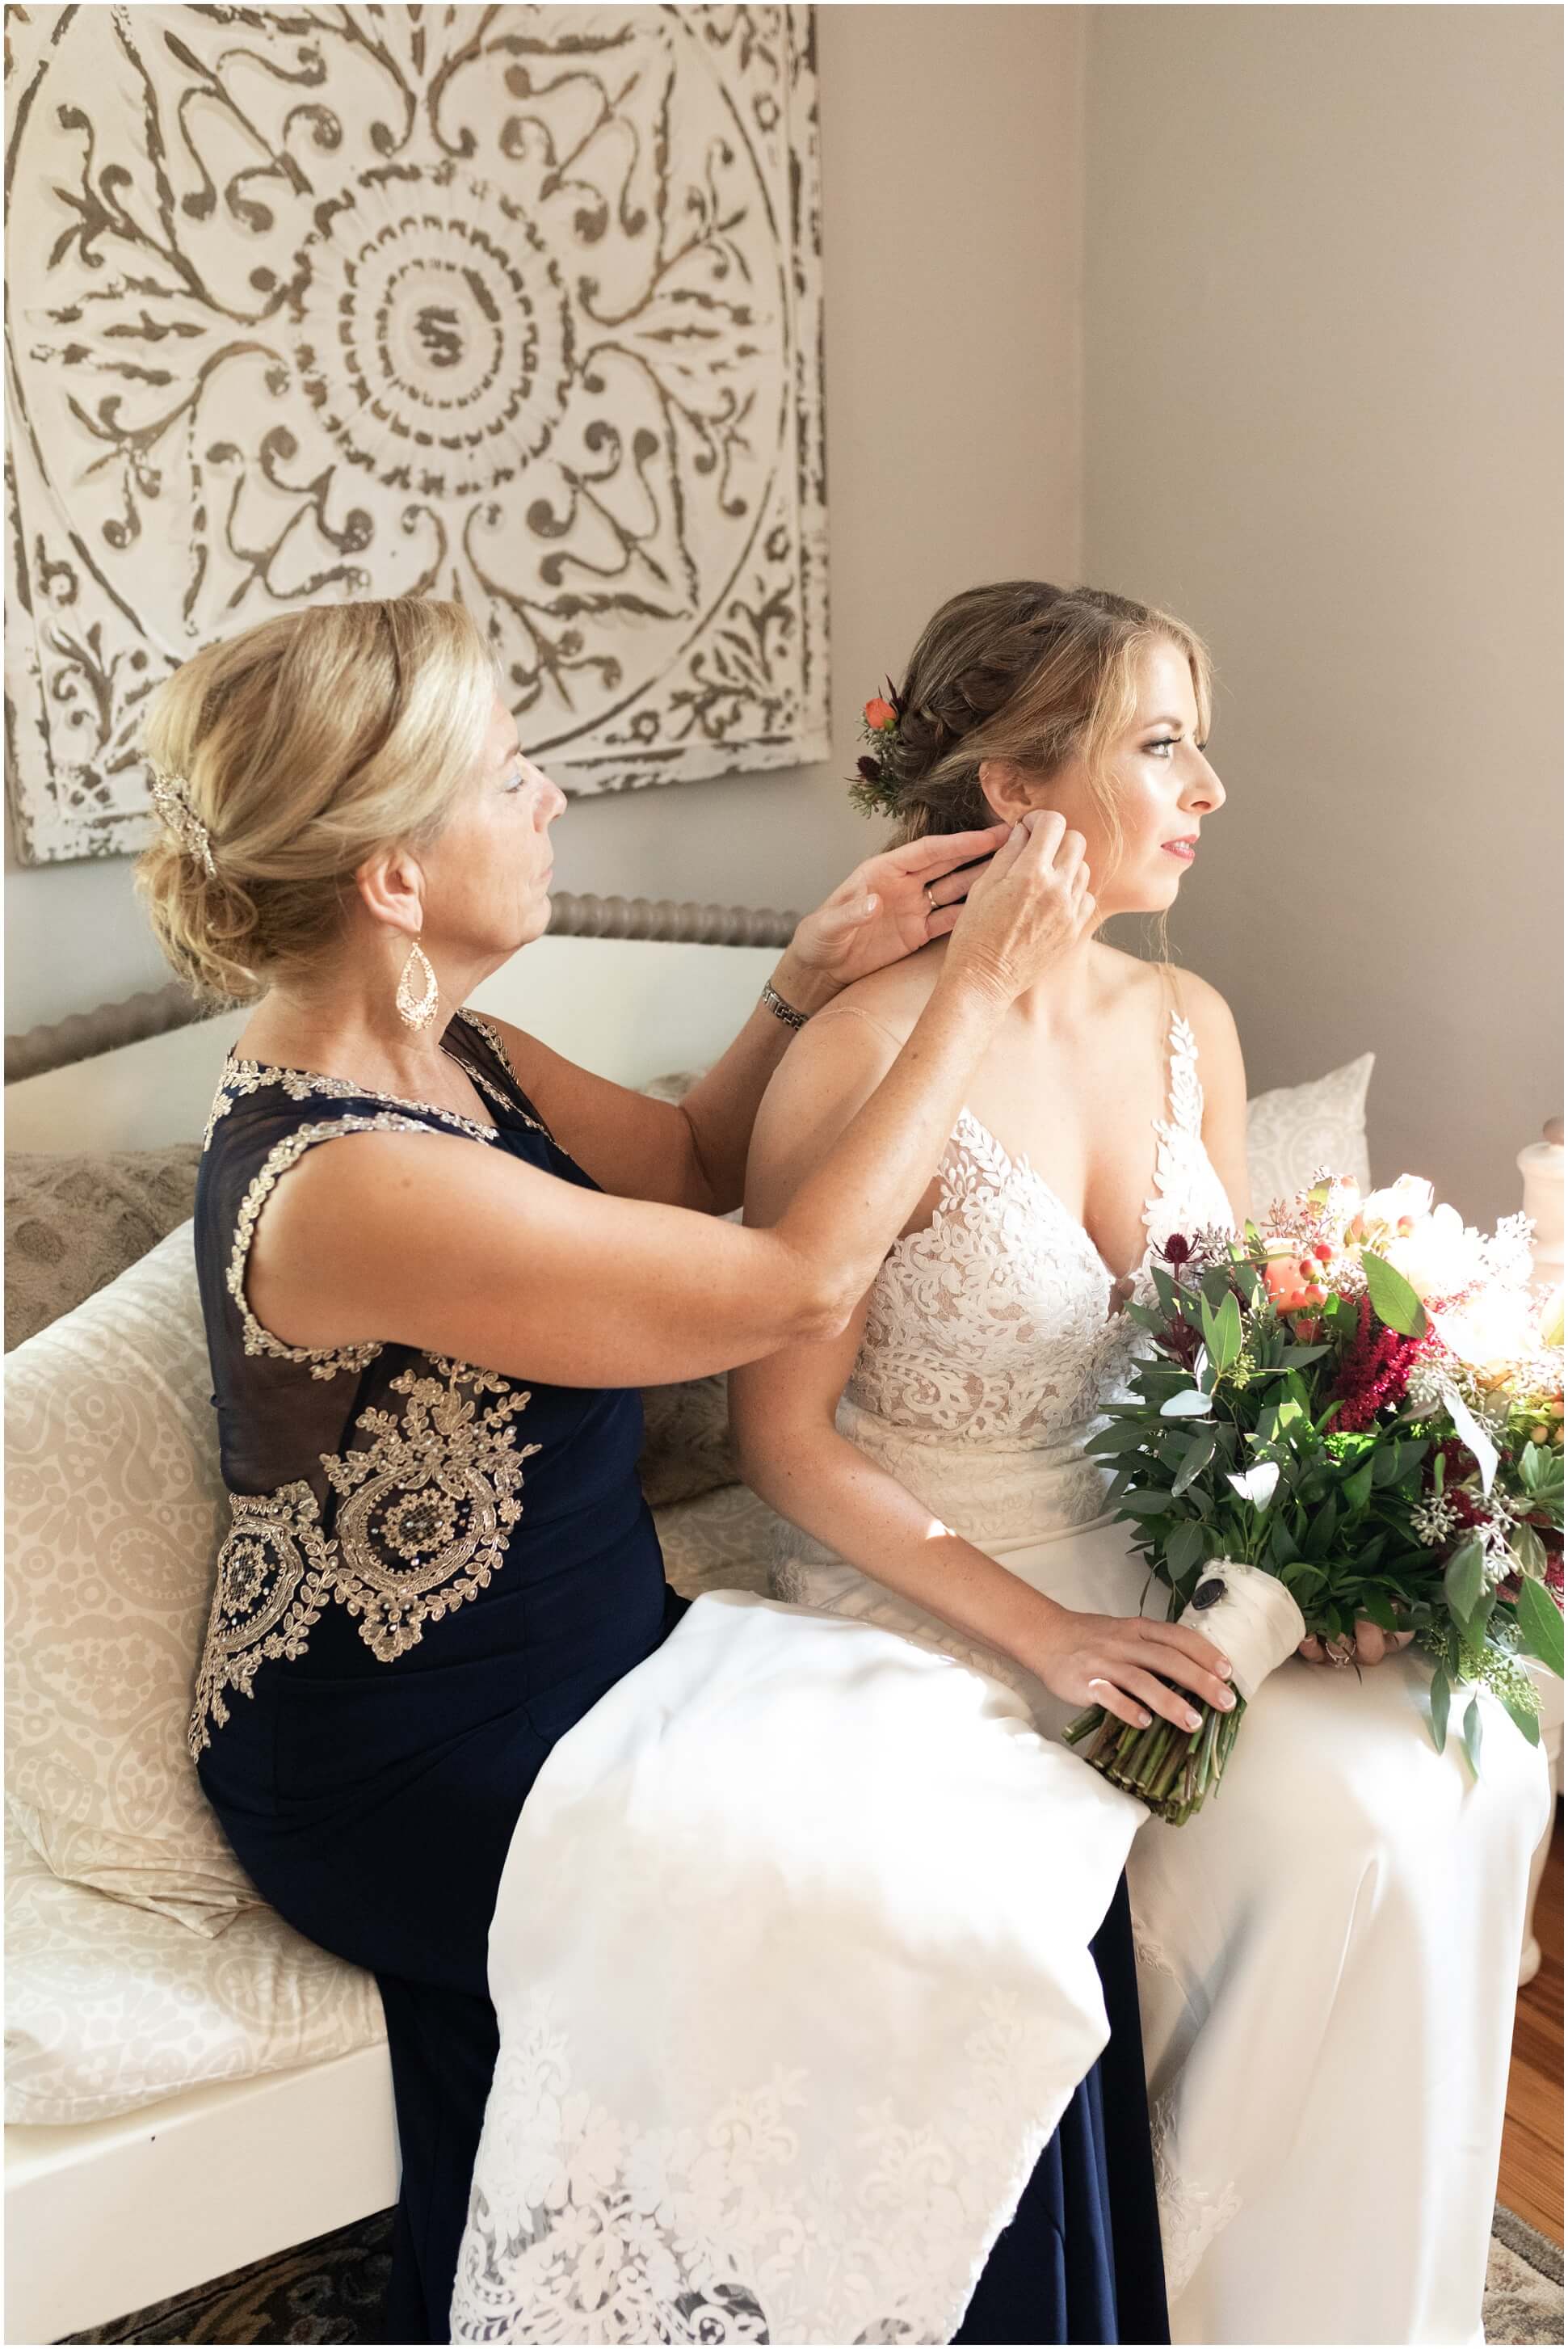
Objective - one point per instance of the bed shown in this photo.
(190, 2085)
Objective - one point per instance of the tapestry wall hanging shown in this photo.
(518, 305)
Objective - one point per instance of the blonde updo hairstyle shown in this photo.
(303, 746)
(1027, 673)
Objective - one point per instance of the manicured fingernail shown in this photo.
(1224, 1668)
(1143, 1720)
(1225, 1700)
(1188, 1721)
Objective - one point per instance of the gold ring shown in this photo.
(930, 900)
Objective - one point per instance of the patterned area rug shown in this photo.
(332, 2290)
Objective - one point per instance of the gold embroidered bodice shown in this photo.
(368, 1481)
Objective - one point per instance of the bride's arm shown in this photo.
(794, 1456)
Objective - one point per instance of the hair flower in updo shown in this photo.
(873, 791)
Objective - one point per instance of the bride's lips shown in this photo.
(1184, 849)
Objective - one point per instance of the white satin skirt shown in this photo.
(1327, 1959)
(791, 1963)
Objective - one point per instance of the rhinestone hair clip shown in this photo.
(172, 798)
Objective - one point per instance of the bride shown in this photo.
(1328, 1952)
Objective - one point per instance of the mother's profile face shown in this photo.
(487, 874)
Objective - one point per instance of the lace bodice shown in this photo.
(997, 1323)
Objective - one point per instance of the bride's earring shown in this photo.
(417, 1011)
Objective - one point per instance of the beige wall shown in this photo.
(953, 172)
(1322, 363)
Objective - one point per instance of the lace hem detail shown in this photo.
(583, 2229)
(426, 1509)
(1191, 2215)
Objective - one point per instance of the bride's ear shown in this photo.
(1010, 791)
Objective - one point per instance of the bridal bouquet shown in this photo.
(1354, 1410)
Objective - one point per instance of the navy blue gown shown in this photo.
(432, 1573)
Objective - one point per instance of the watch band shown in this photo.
(780, 1008)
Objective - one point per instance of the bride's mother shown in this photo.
(425, 1349)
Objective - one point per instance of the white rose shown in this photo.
(1409, 1196)
(1488, 1331)
(1441, 1256)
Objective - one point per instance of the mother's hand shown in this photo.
(892, 903)
(1370, 1646)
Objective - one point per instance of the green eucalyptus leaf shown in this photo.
(1146, 1504)
(1184, 1548)
(1358, 1487)
(1524, 1717)
(1464, 1577)
(1540, 1625)
(1472, 1734)
(1394, 1301)
(1190, 1402)
(1199, 1452)
(1442, 1692)
(1228, 1330)
(1319, 1537)
(1528, 1549)
(1123, 1436)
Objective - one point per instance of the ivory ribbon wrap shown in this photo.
(1257, 1622)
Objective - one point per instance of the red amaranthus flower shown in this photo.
(1374, 1371)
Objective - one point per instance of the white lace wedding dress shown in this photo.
(1328, 1952)
(790, 1952)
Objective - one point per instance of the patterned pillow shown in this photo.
(73, 1222)
(1295, 1129)
(117, 1510)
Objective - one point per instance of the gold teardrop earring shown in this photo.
(417, 1011)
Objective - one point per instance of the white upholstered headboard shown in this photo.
(632, 988)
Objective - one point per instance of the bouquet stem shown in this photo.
(1172, 1771)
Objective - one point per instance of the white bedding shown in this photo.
(111, 2007)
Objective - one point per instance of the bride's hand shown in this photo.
(892, 905)
(1370, 1646)
(1123, 1661)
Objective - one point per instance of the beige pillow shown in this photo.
(116, 1513)
(686, 1447)
(73, 1222)
(1295, 1129)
